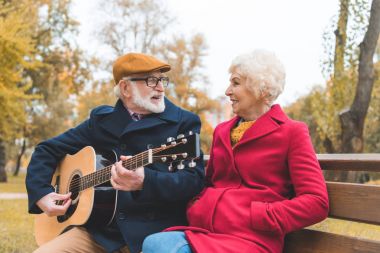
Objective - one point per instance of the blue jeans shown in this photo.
(166, 242)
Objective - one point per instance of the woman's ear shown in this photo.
(265, 96)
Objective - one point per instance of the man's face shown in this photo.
(146, 99)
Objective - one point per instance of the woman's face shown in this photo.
(245, 104)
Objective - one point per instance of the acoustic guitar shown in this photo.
(86, 175)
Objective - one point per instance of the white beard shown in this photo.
(144, 102)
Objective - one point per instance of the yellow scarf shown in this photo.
(238, 131)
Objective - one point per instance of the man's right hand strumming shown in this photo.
(49, 204)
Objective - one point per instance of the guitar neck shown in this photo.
(174, 151)
(104, 175)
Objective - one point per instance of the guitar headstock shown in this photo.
(178, 150)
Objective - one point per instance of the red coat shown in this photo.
(268, 185)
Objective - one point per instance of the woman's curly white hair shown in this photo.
(264, 71)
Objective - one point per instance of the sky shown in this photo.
(292, 29)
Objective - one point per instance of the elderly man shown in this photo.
(150, 198)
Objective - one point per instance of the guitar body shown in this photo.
(94, 205)
(87, 175)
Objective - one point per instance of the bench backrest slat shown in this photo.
(355, 202)
(350, 162)
(344, 162)
(310, 241)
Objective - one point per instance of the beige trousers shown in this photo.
(76, 240)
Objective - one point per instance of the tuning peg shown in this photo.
(163, 145)
(180, 136)
(170, 139)
(184, 141)
(174, 157)
(192, 164)
(184, 155)
(163, 159)
(170, 168)
(191, 133)
(180, 166)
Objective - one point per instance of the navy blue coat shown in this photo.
(162, 201)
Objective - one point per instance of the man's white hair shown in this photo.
(264, 71)
(116, 91)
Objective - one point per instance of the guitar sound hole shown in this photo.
(74, 189)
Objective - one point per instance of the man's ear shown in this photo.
(124, 88)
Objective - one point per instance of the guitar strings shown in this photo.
(93, 178)
(86, 181)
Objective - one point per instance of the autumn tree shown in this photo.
(100, 94)
(353, 119)
(17, 48)
(341, 40)
(337, 110)
(304, 109)
(372, 126)
(62, 72)
(134, 25)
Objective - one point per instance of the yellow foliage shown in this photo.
(16, 50)
(100, 95)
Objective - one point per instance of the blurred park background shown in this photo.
(48, 83)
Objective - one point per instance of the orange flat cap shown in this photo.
(135, 63)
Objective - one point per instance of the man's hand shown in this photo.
(48, 203)
(126, 180)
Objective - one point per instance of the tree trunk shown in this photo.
(352, 120)
(3, 174)
(328, 145)
(340, 40)
(18, 164)
(340, 48)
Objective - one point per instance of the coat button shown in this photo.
(123, 146)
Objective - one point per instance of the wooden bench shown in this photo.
(348, 201)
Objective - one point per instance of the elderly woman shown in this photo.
(263, 177)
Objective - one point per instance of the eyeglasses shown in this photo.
(152, 81)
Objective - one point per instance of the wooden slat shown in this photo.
(354, 202)
(309, 241)
(350, 162)
(345, 162)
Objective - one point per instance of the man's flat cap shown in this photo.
(136, 63)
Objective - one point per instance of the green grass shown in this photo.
(16, 227)
(14, 184)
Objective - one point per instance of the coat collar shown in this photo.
(264, 125)
(119, 121)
